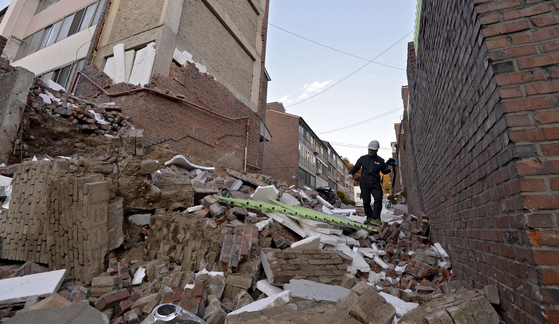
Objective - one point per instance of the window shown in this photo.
(74, 23)
(306, 178)
(44, 4)
(65, 75)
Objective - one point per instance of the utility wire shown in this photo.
(347, 77)
(363, 121)
(335, 49)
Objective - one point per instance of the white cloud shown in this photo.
(303, 96)
(316, 86)
(285, 99)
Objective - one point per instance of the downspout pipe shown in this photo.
(165, 95)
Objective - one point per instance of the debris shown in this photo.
(182, 162)
(76, 313)
(172, 314)
(14, 290)
(316, 291)
(266, 303)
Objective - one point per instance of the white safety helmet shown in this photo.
(373, 145)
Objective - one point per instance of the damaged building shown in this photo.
(481, 131)
(172, 48)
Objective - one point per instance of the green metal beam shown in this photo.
(294, 211)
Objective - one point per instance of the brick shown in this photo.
(550, 149)
(504, 54)
(527, 12)
(111, 299)
(511, 92)
(532, 185)
(546, 20)
(528, 104)
(495, 6)
(505, 28)
(542, 60)
(554, 182)
(542, 87)
(520, 77)
(541, 202)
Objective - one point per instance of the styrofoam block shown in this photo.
(287, 222)
(109, 69)
(311, 242)
(140, 219)
(381, 263)
(369, 253)
(139, 276)
(376, 277)
(262, 224)
(265, 287)
(13, 290)
(264, 194)
(315, 291)
(120, 63)
(346, 211)
(129, 63)
(326, 210)
(358, 219)
(401, 306)
(335, 240)
(236, 185)
(289, 200)
(266, 303)
(194, 208)
(358, 263)
(321, 230)
(359, 234)
(201, 68)
(143, 65)
(45, 98)
(55, 86)
(182, 57)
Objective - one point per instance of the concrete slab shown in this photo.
(287, 222)
(182, 57)
(17, 289)
(143, 65)
(194, 208)
(182, 162)
(265, 287)
(77, 313)
(52, 301)
(264, 223)
(109, 69)
(310, 243)
(401, 306)
(129, 63)
(324, 202)
(139, 276)
(289, 200)
(266, 303)
(315, 291)
(236, 185)
(120, 63)
(358, 264)
(264, 194)
(327, 210)
(5, 181)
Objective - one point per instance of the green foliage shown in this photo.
(341, 194)
(345, 199)
(392, 199)
(404, 192)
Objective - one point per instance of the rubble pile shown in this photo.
(126, 237)
(98, 118)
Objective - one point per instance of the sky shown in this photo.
(4, 3)
(324, 48)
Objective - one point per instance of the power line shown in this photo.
(364, 121)
(335, 49)
(347, 77)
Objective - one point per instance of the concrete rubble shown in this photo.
(126, 232)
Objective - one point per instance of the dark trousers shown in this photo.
(366, 192)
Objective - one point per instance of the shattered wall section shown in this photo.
(182, 127)
(57, 218)
(14, 87)
(185, 240)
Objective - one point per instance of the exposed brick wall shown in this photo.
(3, 41)
(98, 31)
(481, 146)
(188, 130)
(281, 154)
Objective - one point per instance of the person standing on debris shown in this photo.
(372, 165)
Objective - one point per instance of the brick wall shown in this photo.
(3, 41)
(481, 146)
(281, 154)
(184, 128)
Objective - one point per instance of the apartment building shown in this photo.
(296, 154)
(50, 38)
(211, 52)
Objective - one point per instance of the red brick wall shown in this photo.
(281, 154)
(188, 130)
(483, 132)
(3, 41)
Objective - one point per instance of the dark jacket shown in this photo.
(372, 166)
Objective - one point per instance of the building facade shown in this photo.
(50, 38)
(296, 154)
(481, 134)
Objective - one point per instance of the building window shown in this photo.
(70, 25)
(65, 75)
(44, 4)
(306, 178)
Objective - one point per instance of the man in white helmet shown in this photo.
(372, 165)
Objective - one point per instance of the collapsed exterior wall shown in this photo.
(58, 219)
(183, 127)
(481, 139)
